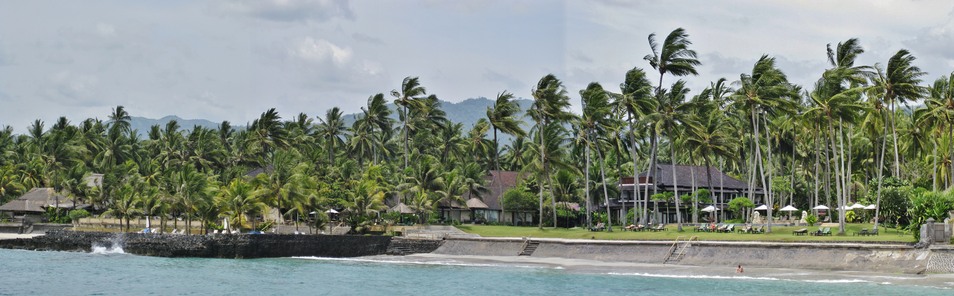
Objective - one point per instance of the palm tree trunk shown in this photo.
(632, 149)
(540, 133)
(709, 180)
(880, 177)
(650, 175)
(894, 132)
(609, 215)
(838, 188)
(675, 181)
(406, 147)
(586, 181)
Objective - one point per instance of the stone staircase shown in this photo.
(528, 248)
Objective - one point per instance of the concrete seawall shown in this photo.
(888, 258)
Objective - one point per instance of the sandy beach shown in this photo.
(626, 269)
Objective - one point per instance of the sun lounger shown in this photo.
(745, 229)
(599, 227)
(757, 230)
(729, 229)
(660, 227)
(802, 231)
(862, 232)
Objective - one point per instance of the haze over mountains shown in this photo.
(466, 112)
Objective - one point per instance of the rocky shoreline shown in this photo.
(224, 246)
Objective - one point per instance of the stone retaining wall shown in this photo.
(404, 246)
(898, 258)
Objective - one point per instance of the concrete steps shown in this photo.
(528, 248)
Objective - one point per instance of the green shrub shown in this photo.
(77, 214)
(811, 219)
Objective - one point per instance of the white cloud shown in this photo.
(320, 51)
(290, 10)
(72, 89)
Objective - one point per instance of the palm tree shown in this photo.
(238, 200)
(549, 107)
(332, 129)
(673, 57)
(711, 136)
(411, 91)
(836, 108)
(365, 198)
(636, 101)
(595, 123)
(267, 134)
(503, 116)
(898, 83)
(761, 93)
(672, 112)
(377, 117)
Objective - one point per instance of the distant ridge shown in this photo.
(142, 124)
(466, 112)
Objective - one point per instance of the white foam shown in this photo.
(691, 276)
(113, 249)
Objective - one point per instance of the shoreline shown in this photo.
(629, 269)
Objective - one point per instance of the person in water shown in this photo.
(739, 270)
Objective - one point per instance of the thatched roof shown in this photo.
(686, 174)
(401, 208)
(36, 201)
(475, 203)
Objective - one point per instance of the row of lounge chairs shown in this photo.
(866, 232)
(723, 228)
(752, 230)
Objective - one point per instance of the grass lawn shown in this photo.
(779, 234)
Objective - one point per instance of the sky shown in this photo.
(232, 60)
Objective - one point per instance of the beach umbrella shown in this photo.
(788, 208)
(761, 208)
(225, 223)
(710, 209)
(871, 207)
(856, 206)
(820, 207)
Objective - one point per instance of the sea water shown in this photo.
(108, 271)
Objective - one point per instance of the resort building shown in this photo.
(688, 178)
(489, 206)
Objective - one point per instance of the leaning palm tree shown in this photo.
(635, 99)
(672, 113)
(898, 83)
(673, 57)
(503, 116)
(376, 117)
(595, 123)
(549, 107)
(411, 92)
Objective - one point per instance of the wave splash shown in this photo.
(115, 247)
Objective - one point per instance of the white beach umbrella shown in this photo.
(788, 208)
(820, 207)
(856, 206)
(710, 209)
(331, 211)
(761, 208)
(871, 207)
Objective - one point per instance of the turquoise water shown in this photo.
(65, 273)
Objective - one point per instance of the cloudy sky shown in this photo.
(232, 60)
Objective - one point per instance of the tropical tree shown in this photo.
(549, 108)
(407, 98)
(503, 116)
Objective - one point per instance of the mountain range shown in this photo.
(466, 112)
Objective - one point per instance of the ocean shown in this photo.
(111, 272)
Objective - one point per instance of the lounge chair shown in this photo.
(817, 232)
(599, 227)
(745, 229)
(758, 230)
(862, 232)
(660, 227)
(873, 232)
(729, 229)
(801, 231)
